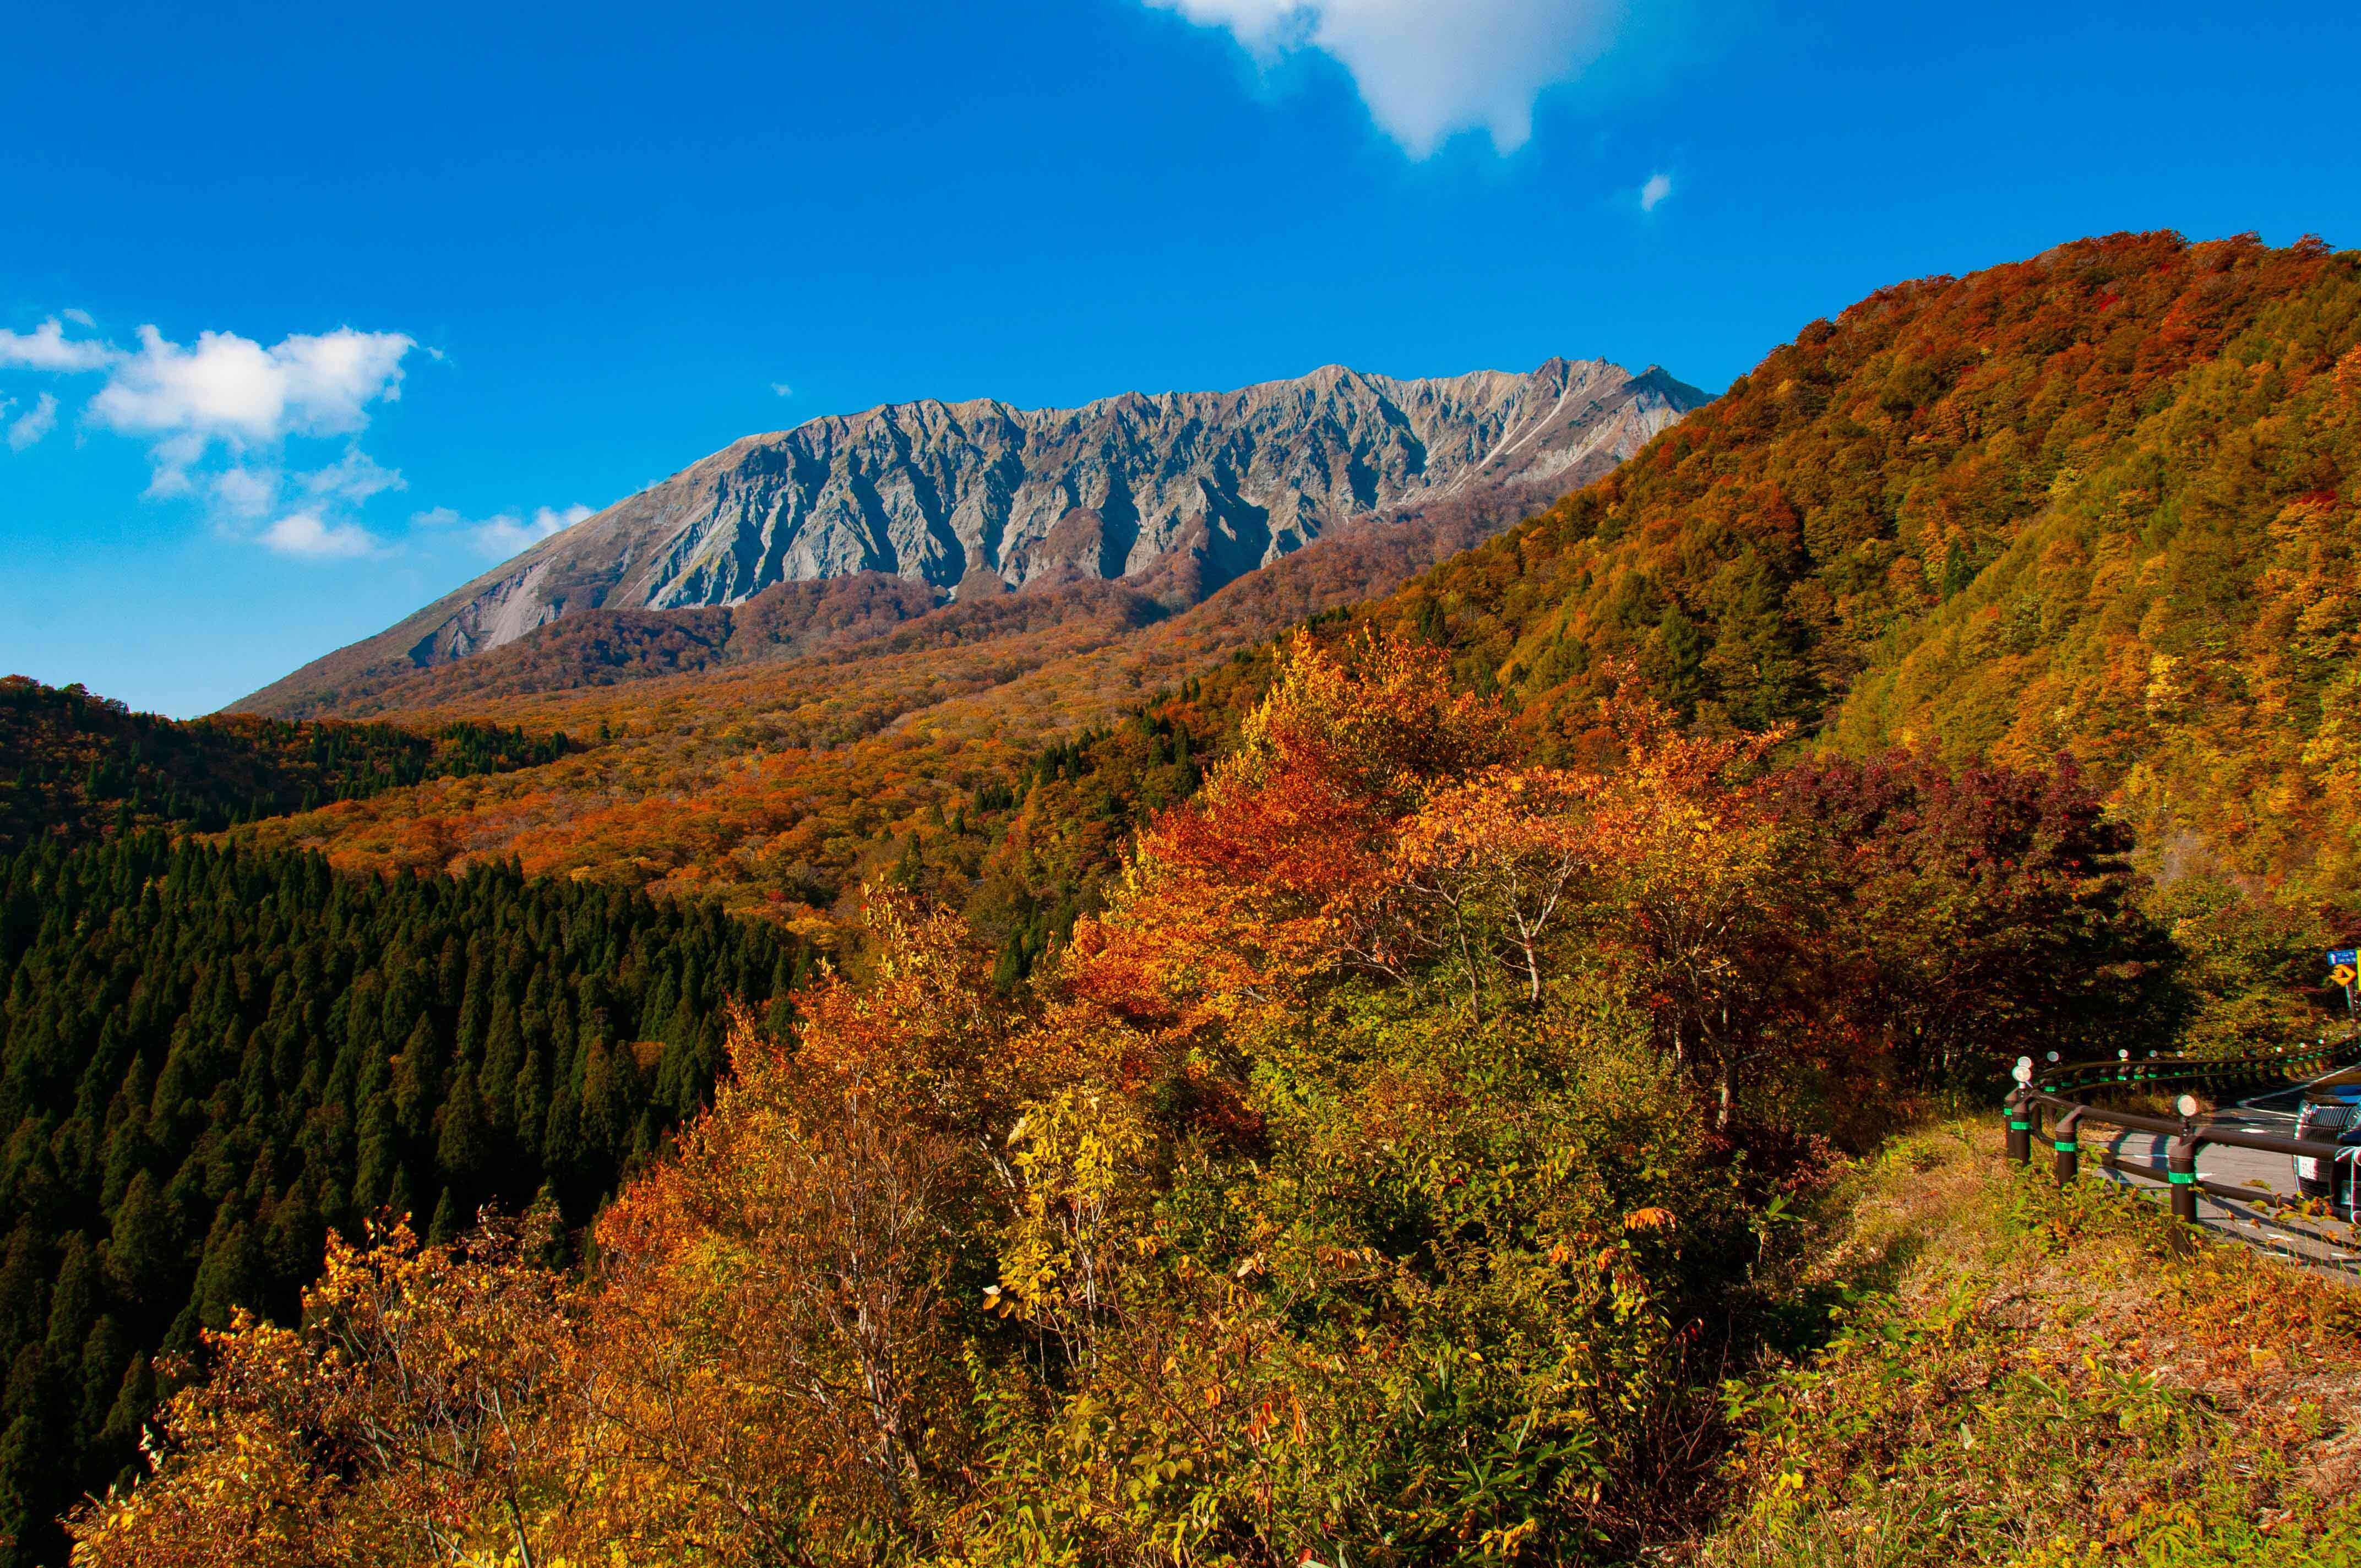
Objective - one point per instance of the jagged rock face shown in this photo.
(1180, 492)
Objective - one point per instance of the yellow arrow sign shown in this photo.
(2342, 974)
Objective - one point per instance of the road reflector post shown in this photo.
(2180, 1170)
(2066, 1148)
(2020, 1113)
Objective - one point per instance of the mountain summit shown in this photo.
(1177, 492)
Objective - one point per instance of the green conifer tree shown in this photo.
(141, 1255)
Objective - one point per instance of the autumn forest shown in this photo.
(1477, 1043)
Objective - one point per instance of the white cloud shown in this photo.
(313, 537)
(320, 526)
(1658, 187)
(782, 389)
(504, 533)
(35, 423)
(232, 388)
(1428, 68)
(219, 416)
(46, 347)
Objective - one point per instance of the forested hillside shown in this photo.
(1376, 1181)
(211, 1059)
(77, 766)
(606, 647)
(783, 786)
(2100, 504)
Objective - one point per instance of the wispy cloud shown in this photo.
(313, 537)
(1428, 68)
(33, 424)
(781, 390)
(252, 491)
(354, 477)
(46, 347)
(1653, 193)
(244, 495)
(503, 534)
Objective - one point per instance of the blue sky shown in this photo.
(468, 269)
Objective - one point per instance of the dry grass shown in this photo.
(2014, 1375)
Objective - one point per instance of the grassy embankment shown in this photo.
(2021, 1376)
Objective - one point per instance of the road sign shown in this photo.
(2350, 957)
(2343, 975)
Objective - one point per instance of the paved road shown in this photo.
(2326, 1243)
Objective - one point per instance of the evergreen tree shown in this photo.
(199, 1043)
(142, 1251)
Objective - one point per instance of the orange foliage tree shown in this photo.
(416, 1417)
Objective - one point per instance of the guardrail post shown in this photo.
(2066, 1148)
(2020, 1127)
(2180, 1168)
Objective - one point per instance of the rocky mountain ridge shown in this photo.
(1176, 493)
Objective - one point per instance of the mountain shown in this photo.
(1176, 494)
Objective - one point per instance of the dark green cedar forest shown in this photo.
(77, 766)
(209, 1058)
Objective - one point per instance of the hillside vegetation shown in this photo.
(211, 1059)
(2100, 505)
(782, 786)
(1409, 1091)
(78, 767)
(2095, 506)
(1372, 1179)
(604, 647)
(2016, 1375)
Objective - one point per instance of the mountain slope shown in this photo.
(2103, 504)
(75, 767)
(796, 780)
(1178, 493)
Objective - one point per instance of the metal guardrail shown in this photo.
(2128, 1070)
(2060, 1093)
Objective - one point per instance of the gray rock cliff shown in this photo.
(1178, 492)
